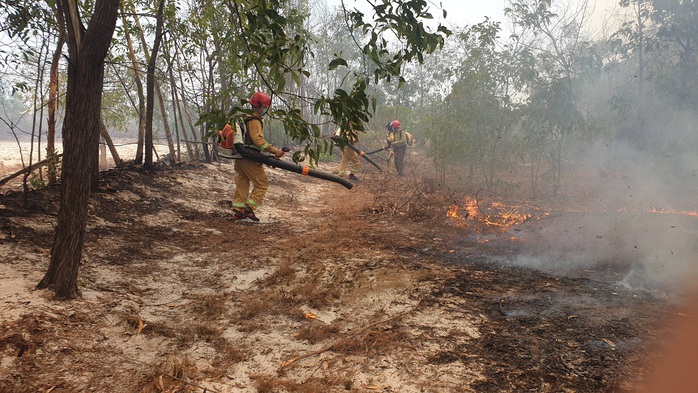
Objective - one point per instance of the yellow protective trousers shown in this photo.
(349, 156)
(249, 172)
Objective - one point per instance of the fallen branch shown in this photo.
(346, 339)
(31, 168)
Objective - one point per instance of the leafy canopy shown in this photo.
(274, 45)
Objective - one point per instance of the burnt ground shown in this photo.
(367, 290)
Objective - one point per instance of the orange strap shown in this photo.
(362, 154)
(306, 170)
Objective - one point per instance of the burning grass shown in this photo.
(491, 216)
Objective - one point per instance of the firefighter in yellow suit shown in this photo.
(348, 156)
(250, 172)
(399, 140)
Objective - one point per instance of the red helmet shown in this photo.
(260, 99)
(395, 124)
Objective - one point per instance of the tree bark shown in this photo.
(87, 51)
(104, 133)
(150, 87)
(158, 91)
(139, 86)
(165, 122)
(51, 152)
(178, 112)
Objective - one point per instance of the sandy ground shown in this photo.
(336, 290)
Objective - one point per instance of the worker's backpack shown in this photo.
(402, 138)
(232, 134)
(227, 137)
(409, 139)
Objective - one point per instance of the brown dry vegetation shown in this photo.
(365, 290)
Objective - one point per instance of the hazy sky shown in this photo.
(468, 12)
(474, 11)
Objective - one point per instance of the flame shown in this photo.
(675, 212)
(501, 217)
(453, 212)
(487, 216)
(455, 217)
(471, 207)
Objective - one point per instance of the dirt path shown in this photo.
(338, 291)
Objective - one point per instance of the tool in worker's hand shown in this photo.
(363, 155)
(257, 156)
(377, 150)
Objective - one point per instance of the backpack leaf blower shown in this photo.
(274, 162)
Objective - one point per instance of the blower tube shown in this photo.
(363, 154)
(289, 166)
(378, 150)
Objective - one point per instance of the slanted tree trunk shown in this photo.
(165, 122)
(37, 114)
(150, 87)
(178, 112)
(104, 133)
(51, 153)
(139, 86)
(87, 51)
(102, 154)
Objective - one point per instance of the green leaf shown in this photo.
(337, 62)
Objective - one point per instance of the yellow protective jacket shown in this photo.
(338, 134)
(255, 135)
(398, 138)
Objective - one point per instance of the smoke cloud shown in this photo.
(632, 221)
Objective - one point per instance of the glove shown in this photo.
(279, 153)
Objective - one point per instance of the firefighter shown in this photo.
(398, 140)
(348, 155)
(251, 172)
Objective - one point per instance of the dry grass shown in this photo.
(211, 306)
(170, 376)
(372, 342)
(266, 384)
(359, 263)
(283, 275)
(317, 332)
(417, 199)
(316, 294)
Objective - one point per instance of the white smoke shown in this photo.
(632, 223)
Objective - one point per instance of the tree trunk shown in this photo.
(184, 108)
(165, 122)
(175, 104)
(150, 87)
(178, 109)
(104, 133)
(102, 154)
(37, 102)
(51, 153)
(139, 86)
(158, 91)
(87, 51)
